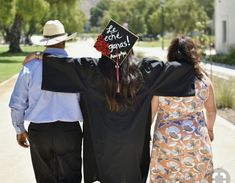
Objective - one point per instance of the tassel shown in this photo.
(117, 74)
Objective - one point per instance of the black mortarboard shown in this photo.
(115, 42)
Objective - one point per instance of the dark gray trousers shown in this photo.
(56, 151)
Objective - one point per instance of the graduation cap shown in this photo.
(115, 42)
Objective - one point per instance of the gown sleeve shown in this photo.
(168, 79)
(63, 74)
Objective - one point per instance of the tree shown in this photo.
(180, 16)
(129, 11)
(208, 6)
(19, 14)
(154, 22)
(7, 12)
(99, 11)
(68, 12)
(152, 6)
(23, 7)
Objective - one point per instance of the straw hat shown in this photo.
(53, 33)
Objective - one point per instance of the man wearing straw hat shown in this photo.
(54, 133)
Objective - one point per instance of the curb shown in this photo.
(8, 80)
(232, 67)
(225, 123)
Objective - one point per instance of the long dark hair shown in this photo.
(185, 50)
(130, 82)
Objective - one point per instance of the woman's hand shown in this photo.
(32, 56)
(211, 134)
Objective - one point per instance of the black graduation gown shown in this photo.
(116, 144)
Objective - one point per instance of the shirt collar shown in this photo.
(56, 51)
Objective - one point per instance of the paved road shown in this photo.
(215, 69)
(15, 163)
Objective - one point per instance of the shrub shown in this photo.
(225, 59)
(224, 92)
(231, 54)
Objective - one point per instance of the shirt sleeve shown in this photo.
(169, 79)
(19, 100)
(66, 74)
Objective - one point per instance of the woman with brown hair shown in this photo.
(116, 92)
(117, 115)
(182, 136)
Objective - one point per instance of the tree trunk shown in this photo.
(5, 34)
(15, 34)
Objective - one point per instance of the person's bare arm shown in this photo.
(154, 106)
(210, 106)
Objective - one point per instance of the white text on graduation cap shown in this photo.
(112, 34)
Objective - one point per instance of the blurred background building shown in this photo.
(224, 25)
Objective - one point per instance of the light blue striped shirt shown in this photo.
(29, 103)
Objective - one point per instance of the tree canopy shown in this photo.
(145, 16)
(28, 17)
(7, 12)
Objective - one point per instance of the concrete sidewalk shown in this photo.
(224, 147)
(15, 162)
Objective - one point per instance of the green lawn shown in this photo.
(10, 64)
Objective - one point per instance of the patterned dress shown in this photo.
(181, 145)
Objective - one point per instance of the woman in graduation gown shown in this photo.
(117, 115)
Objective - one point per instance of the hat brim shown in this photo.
(55, 40)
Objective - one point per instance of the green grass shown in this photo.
(154, 43)
(10, 64)
(224, 92)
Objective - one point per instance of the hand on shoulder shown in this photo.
(33, 56)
